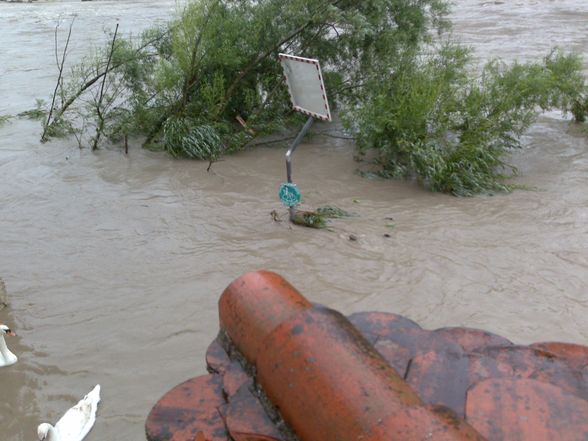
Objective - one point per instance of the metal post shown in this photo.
(290, 152)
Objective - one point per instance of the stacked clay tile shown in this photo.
(285, 369)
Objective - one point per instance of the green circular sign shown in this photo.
(289, 194)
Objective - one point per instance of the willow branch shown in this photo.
(59, 79)
(100, 125)
(89, 83)
(266, 54)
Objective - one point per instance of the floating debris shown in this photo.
(309, 219)
(332, 212)
(275, 216)
(319, 217)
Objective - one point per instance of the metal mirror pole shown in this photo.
(290, 152)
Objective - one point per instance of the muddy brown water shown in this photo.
(114, 264)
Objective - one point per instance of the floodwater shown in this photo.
(114, 263)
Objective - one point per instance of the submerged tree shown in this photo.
(218, 61)
(209, 82)
(433, 121)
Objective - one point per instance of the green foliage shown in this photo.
(188, 139)
(4, 119)
(60, 128)
(188, 86)
(433, 121)
(332, 212)
(38, 112)
(216, 61)
(579, 108)
(309, 219)
(319, 217)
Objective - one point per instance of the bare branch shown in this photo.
(59, 79)
(100, 125)
(91, 81)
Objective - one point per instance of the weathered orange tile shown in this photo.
(471, 339)
(444, 377)
(482, 367)
(334, 380)
(186, 410)
(255, 304)
(454, 420)
(576, 356)
(423, 423)
(527, 362)
(247, 420)
(331, 384)
(526, 410)
(397, 356)
(222, 410)
(441, 378)
(233, 378)
(217, 360)
(374, 325)
(421, 341)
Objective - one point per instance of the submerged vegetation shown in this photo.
(209, 83)
(432, 121)
(319, 217)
